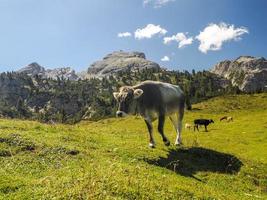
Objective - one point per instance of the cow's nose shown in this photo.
(119, 114)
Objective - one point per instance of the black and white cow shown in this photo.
(200, 122)
(153, 100)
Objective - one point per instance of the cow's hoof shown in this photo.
(151, 145)
(178, 144)
(167, 143)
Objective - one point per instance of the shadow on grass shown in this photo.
(203, 130)
(196, 109)
(189, 161)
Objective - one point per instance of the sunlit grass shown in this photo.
(110, 159)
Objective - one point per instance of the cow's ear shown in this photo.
(116, 95)
(138, 93)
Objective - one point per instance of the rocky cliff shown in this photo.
(121, 61)
(109, 65)
(34, 69)
(247, 72)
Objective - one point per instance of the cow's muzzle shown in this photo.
(120, 114)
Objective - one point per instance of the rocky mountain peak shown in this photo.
(36, 69)
(111, 64)
(244, 59)
(247, 72)
(65, 72)
(123, 54)
(120, 61)
(32, 69)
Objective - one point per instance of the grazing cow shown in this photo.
(229, 119)
(205, 122)
(223, 118)
(188, 126)
(153, 100)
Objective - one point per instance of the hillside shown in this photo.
(110, 159)
(246, 72)
(61, 95)
(66, 101)
(234, 103)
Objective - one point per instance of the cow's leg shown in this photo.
(206, 128)
(150, 130)
(161, 130)
(180, 116)
(174, 120)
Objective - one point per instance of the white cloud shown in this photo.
(124, 34)
(165, 59)
(157, 3)
(214, 35)
(180, 38)
(149, 31)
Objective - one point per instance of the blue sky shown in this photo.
(75, 33)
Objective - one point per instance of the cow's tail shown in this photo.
(181, 107)
(187, 102)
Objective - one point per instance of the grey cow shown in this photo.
(153, 100)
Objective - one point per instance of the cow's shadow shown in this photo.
(189, 161)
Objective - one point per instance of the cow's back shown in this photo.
(201, 121)
(160, 97)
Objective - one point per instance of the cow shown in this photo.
(188, 126)
(227, 118)
(223, 118)
(153, 100)
(205, 122)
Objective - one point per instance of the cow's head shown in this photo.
(126, 98)
(211, 121)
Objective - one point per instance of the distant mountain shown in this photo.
(121, 61)
(111, 64)
(65, 72)
(247, 72)
(34, 69)
(34, 92)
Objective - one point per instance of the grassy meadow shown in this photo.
(110, 159)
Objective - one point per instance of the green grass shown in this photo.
(110, 159)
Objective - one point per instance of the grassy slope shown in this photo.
(114, 161)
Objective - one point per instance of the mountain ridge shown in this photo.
(34, 69)
(248, 73)
(111, 64)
